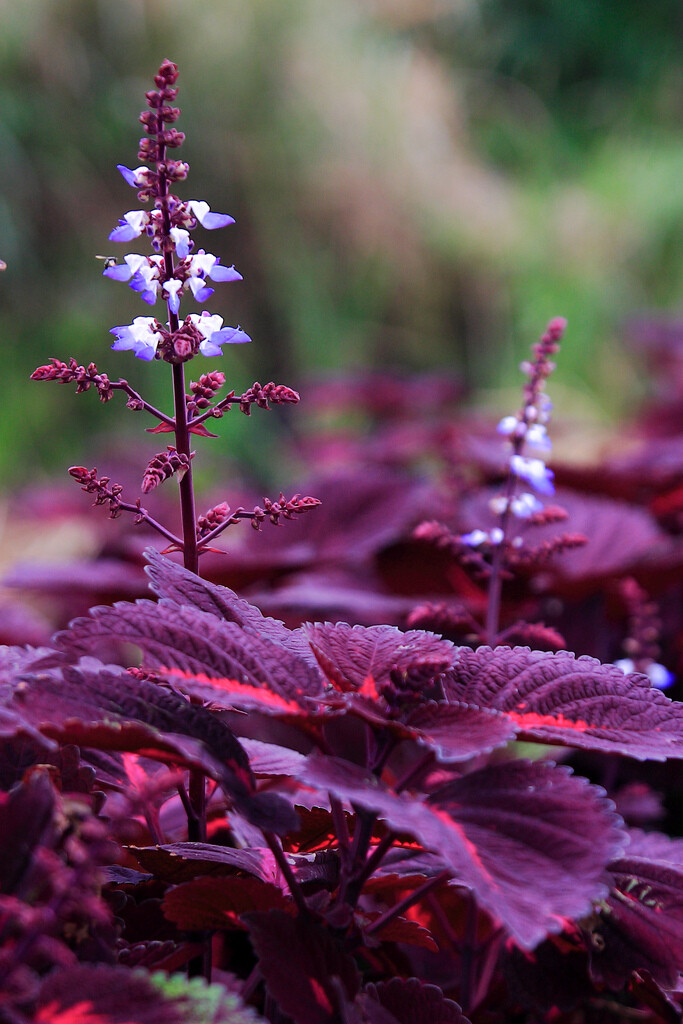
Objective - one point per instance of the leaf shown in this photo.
(362, 659)
(179, 862)
(577, 702)
(529, 839)
(304, 968)
(218, 903)
(116, 995)
(640, 925)
(412, 1002)
(457, 732)
(400, 929)
(109, 710)
(173, 581)
(186, 644)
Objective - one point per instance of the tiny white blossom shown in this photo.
(534, 471)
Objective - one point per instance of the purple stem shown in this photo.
(407, 901)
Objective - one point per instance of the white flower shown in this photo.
(534, 471)
(140, 337)
(133, 224)
(202, 211)
(215, 335)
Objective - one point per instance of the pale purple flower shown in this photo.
(141, 337)
(208, 220)
(172, 290)
(211, 327)
(537, 437)
(525, 505)
(138, 177)
(202, 265)
(474, 539)
(181, 239)
(133, 224)
(534, 471)
(508, 425)
(142, 273)
(659, 675)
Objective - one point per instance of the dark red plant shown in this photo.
(336, 823)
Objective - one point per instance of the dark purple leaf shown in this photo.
(412, 1002)
(555, 974)
(270, 758)
(363, 659)
(218, 903)
(640, 925)
(179, 862)
(25, 822)
(531, 840)
(200, 653)
(577, 702)
(172, 581)
(97, 707)
(117, 995)
(304, 968)
(398, 929)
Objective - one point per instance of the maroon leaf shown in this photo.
(640, 925)
(180, 862)
(577, 702)
(412, 1002)
(304, 968)
(117, 995)
(362, 659)
(218, 903)
(457, 732)
(400, 929)
(97, 707)
(196, 650)
(529, 839)
(172, 581)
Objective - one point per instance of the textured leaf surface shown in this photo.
(186, 644)
(97, 707)
(215, 903)
(401, 929)
(362, 658)
(302, 965)
(180, 862)
(457, 732)
(641, 923)
(578, 702)
(116, 995)
(169, 580)
(411, 1002)
(530, 839)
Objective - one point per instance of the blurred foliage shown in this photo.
(416, 183)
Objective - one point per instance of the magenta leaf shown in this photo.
(530, 839)
(200, 653)
(364, 659)
(457, 732)
(578, 702)
(304, 968)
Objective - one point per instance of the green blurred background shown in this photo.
(416, 183)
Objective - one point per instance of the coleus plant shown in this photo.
(332, 823)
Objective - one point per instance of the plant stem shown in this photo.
(407, 901)
(182, 436)
(286, 869)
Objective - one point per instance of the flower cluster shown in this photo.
(174, 269)
(526, 431)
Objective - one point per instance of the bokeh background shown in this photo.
(417, 184)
